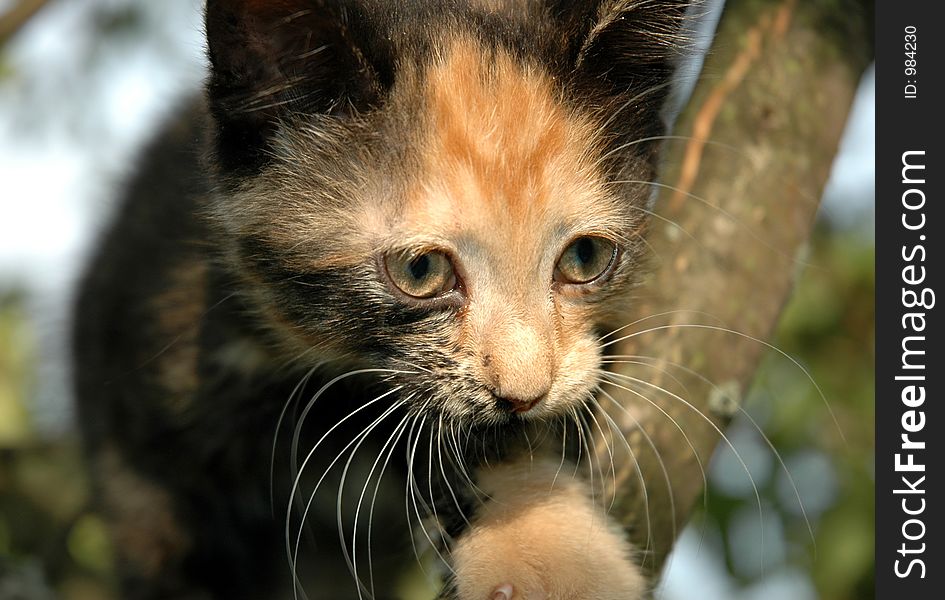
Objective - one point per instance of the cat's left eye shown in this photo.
(421, 276)
(586, 259)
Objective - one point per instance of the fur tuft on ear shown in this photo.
(274, 58)
(629, 50)
(634, 44)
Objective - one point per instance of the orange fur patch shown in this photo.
(498, 130)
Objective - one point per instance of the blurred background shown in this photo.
(84, 82)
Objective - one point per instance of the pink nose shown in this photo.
(519, 405)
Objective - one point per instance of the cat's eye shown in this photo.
(586, 259)
(424, 275)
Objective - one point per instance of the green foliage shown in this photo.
(828, 328)
(47, 535)
(16, 356)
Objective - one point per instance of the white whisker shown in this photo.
(357, 512)
(295, 485)
(449, 487)
(339, 516)
(715, 427)
(610, 453)
(402, 427)
(308, 407)
(768, 442)
(751, 232)
(794, 361)
(275, 437)
(655, 316)
(414, 493)
(633, 457)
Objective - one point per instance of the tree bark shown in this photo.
(729, 235)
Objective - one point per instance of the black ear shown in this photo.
(628, 46)
(273, 58)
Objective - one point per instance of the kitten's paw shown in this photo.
(534, 543)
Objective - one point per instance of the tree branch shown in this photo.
(14, 19)
(727, 242)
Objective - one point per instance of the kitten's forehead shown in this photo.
(501, 152)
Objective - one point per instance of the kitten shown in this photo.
(384, 243)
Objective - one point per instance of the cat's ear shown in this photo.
(631, 46)
(274, 58)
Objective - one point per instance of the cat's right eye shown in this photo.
(421, 276)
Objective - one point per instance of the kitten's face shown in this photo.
(469, 233)
(509, 199)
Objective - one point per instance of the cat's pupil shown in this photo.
(419, 267)
(585, 250)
